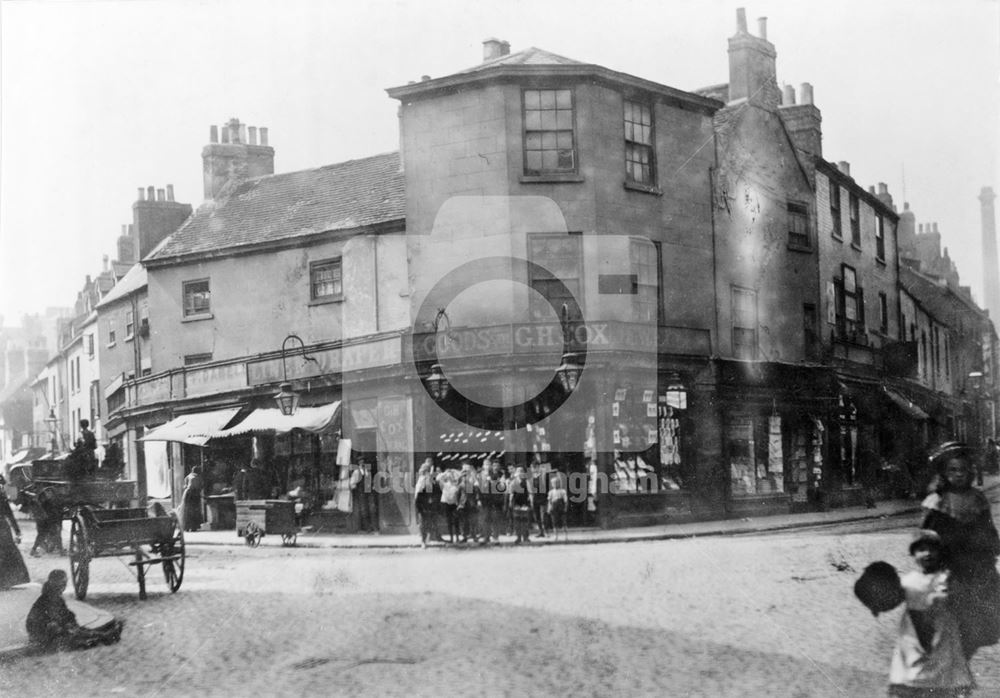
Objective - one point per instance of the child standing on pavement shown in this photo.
(928, 658)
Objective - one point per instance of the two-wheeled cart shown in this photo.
(105, 522)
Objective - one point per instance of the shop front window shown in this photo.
(647, 431)
(756, 453)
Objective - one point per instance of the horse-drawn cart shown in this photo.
(107, 523)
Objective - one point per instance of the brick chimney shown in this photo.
(154, 218)
(126, 246)
(991, 271)
(752, 72)
(884, 196)
(236, 157)
(495, 48)
(803, 119)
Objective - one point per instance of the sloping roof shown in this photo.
(278, 207)
(135, 279)
(529, 56)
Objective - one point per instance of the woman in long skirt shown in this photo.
(12, 568)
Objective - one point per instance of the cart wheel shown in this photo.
(173, 570)
(288, 539)
(79, 556)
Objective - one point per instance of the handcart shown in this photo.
(257, 517)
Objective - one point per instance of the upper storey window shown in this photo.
(549, 143)
(639, 163)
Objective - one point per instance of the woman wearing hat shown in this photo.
(960, 514)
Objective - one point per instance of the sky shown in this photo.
(99, 98)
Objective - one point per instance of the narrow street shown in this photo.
(764, 615)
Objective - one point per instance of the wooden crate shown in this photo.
(274, 516)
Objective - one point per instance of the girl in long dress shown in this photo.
(12, 568)
(960, 514)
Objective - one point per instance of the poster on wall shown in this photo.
(775, 456)
(157, 469)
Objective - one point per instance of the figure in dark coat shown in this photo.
(52, 626)
(12, 568)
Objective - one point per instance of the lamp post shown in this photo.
(288, 399)
(53, 423)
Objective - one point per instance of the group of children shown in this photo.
(481, 504)
(952, 598)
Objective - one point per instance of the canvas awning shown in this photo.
(270, 420)
(906, 405)
(195, 428)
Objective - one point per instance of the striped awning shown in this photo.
(270, 420)
(195, 428)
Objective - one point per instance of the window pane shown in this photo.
(564, 120)
(565, 139)
(533, 120)
(548, 120)
(564, 99)
(548, 99)
(550, 160)
(531, 99)
(566, 160)
(534, 160)
(533, 141)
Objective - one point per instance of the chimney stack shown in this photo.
(170, 192)
(150, 193)
(752, 72)
(495, 48)
(844, 167)
(788, 96)
(235, 158)
(141, 194)
(884, 196)
(154, 216)
(803, 120)
(161, 195)
(991, 267)
(762, 27)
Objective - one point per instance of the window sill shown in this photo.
(568, 178)
(838, 238)
(130, 338)
(110, 346)
(881, 261)
(326, 301)
(856, 246)
(800, 248)
(644, 188)
(196, 318)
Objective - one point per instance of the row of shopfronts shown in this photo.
(643, 438)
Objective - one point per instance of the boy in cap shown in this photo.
(928, 659)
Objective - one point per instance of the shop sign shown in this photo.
(214, 379)
(355, 357)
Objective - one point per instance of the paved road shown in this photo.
(749, 616)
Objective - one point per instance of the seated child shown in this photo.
(928, 659)
(52, 626)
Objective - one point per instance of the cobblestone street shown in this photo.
(747, 616)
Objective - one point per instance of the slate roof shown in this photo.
(285, 206)
(529, 56)
(132, 281)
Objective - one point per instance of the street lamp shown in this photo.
(53, 423)
(569, 370)
(288, 399)
(437, 383)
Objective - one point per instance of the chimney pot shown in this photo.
(170, 192)
(105, 260)
(243, 133)
(225, 134)
(906, 205)
(806, 93)
(151, 193)
(124, 230)
(425, 78)
(883, 188)
(161, 195)
(253, 135)
(741, 20)
(263, 135)
(844, 167)
(871, 189)
(213, 134)
(142, 193)
(762, 27)
(935, 226)
(788, 95)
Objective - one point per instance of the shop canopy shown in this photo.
(270, 420)
(907, 406)
(195, 428)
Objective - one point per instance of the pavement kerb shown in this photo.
(632, 536)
